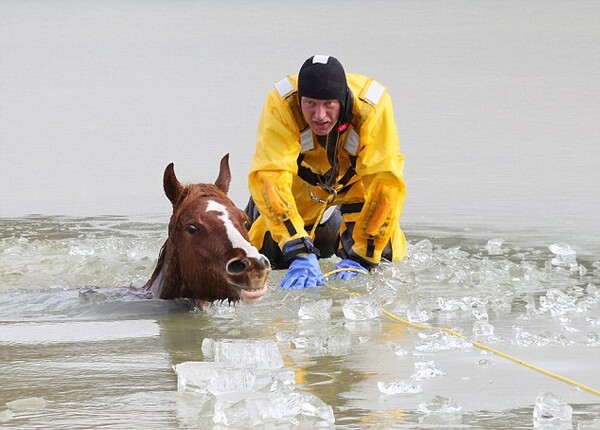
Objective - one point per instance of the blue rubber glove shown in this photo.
(304, 272)
(349, 274)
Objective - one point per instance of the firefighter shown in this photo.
(327, 175)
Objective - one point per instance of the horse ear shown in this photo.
(171, 184)
(224, 178)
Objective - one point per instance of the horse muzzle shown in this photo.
(249, 276)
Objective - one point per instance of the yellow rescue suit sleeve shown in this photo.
(272, 172)
(380, 165)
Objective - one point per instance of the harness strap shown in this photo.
(306, 174)
(350, 208)
(302, 245)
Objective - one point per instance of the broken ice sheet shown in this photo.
(251, 409)
(361, 309)
(218, 378)
(315, 310)
(426, 370)
(261, 354)
(494, 246)
(551, 410)
(564, 254)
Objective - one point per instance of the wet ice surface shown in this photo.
(396, 349)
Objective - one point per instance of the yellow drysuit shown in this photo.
(371, 200)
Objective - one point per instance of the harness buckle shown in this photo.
(332, 191)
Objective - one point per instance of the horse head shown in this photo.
(207, 255)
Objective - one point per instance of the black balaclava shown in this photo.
(323, 77)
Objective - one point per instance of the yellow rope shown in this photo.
(475, 343)
(317, 221)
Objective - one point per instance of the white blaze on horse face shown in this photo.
(235, 237)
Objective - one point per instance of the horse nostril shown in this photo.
(264, 262)
(237, 266)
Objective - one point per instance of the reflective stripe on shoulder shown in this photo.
(374, 93)
(284, 87)
(306, 141)
(352, 142)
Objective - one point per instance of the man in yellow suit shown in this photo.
(326, 139)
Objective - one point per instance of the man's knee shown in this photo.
(327, 233)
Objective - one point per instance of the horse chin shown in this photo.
(250, 289)
(252, 296)
(249, 294)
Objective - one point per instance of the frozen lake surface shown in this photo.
(406, 347)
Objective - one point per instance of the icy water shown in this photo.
(497, 108)
(82, 346)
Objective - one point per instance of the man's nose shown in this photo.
(320, 112)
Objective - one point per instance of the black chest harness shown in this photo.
(351, 120)
(328, 181)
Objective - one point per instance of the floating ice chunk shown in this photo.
(199, 377)
(483, 328)
(260, 354)
(550, 410)
(208, 347)
(565, 256)
(557, 303)
(426, 370)
(451, 305)
(524, 338)
(315, 310)
(593, 339)
(593, 321)
(494, 246)
(220, 310)
(480, 313)
(435, 340)
(250, 409)
(592, 290)
(417, 315)
(397, 349)
(216, 378)
(337, 341)
(441, 406)
(399, 387)
(360, 309)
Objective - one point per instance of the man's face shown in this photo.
(321, 115)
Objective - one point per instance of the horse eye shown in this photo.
(191, 229)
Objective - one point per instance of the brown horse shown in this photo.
(207, 255)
